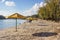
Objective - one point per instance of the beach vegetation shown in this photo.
(51, 11)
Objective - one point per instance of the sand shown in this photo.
(33, 31)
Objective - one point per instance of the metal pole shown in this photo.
(16, 24)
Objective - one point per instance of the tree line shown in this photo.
(51, 11)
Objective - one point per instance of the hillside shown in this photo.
(2, 17)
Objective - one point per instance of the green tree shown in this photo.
(50, 11)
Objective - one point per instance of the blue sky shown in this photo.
(24, 7)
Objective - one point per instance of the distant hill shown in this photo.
(2, 17)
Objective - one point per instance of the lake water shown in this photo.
(6, 23)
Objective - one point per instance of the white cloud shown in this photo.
(29, 12)
(5, 13)
(34, 9)
(2, 1)
(42, 4)
(10, 3)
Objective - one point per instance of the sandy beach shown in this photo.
(36, 30)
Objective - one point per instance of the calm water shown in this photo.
(6, 23)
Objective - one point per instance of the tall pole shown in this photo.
(16, 24)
